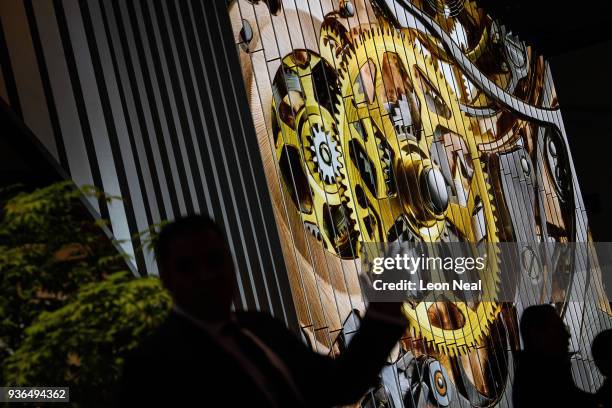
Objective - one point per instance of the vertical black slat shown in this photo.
(63, 95)
(229, 223)
(112, 132)
(230, 188)
(205, 120)
(128, 122)
(235, 168)
(180, 106)
(274, 268)
(139, 109)
(168, 180)
(201, 124)
(44, 76)
(190, 86)
(80, 104)
(9, 78)
(148, 23)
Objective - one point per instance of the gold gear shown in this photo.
(334, 40)
(387, 155)
(307, 148)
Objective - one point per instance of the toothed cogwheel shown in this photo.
(410, 155)
(325, 154)
(334, 40)
(307, 148)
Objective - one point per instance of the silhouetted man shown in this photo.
(207, 355)
(543, 376)
(602, 354)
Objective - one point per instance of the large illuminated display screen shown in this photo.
(423, 120)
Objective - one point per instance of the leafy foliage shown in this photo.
(49, 246)
(82, 345)
(69, 310)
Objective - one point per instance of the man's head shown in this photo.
(543, 330)
(602, 352)
(196, 266)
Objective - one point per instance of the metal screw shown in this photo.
(347, 9)
(525, 165)
(552, 148)
(246, 35)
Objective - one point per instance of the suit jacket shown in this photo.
(183, 365)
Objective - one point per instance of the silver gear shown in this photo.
(325, 155)
(401, 112)
(313, 229)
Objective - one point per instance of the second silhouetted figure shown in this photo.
(543, 376)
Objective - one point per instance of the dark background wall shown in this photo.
(584, 84)
(144, 99)
(576, 38)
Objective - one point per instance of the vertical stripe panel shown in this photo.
(151, 68)
(117, 130)
(97, 123)
(63, 95)
(27, 77)
(193, 104)
(145, 100)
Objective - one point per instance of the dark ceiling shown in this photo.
(554, 27)
(23, 159)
